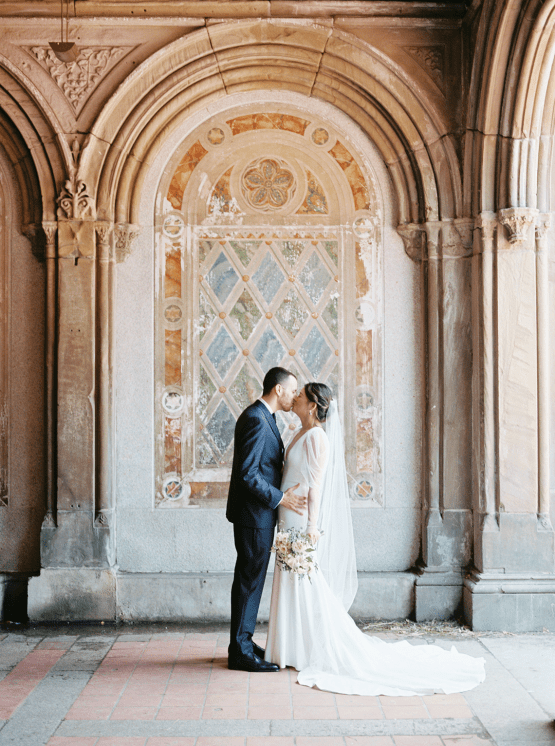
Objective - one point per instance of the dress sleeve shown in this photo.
(316, 448)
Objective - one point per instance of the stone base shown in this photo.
(13, 597)
(102, 595)
(509, 602)
(438, 595)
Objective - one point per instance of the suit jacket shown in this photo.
(254, 492)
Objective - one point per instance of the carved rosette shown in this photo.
(268, 184)
(125, 234)
(75, 202)
(517, 221)
(78, 79)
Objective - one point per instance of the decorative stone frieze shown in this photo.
(125, 234)
(413, 239)
(75, 201)
(432, 60)
(78, 79)
(517, 221)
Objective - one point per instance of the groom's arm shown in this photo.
(251, 448)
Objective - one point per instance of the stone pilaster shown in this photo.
(444, 249)
(513, 585)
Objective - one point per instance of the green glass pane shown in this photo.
(206, 316)
(245, 250)
(292, 250)
(205, 391)
(204, 453)
(291, 313)
(204, 248)
(246, 388)
(330, 316)
(245, 314)
(331, 248)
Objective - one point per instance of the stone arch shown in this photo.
(318, 61)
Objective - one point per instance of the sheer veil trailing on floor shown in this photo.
(310, 627)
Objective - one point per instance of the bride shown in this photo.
(310, 627)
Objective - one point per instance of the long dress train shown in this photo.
(310, 629)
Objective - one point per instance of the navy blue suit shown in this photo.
(253, 498)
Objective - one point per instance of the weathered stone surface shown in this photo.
(74, 594)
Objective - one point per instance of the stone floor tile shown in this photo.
(184, 700)
(450, 711)
(179, 713)
(359, 713)
(139, 700)
(94, 700)
(88, 713)
(312, 697)
(227, 698)
(171, 741)
(219, 741)
(405, 713)
(466, 741)
(121, 741)
(320, 741)
(400, 701)
(133, 713)
(269, 700)
(443, 699)
(270, 713)
(355, 700)
(313, 712)
(417, 741)
(224, 713)
(270, 741)
(72, 741)
(368, 741)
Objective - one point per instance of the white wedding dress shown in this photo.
(311, 630)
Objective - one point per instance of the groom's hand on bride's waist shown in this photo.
(291, 501)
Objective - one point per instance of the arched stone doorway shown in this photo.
(310, 277)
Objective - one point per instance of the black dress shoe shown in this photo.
(251, 663)
(257, 650)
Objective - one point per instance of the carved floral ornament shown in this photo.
(78, 79)
(74, 201)
(125, 234)
(517, 221)
(268, 184)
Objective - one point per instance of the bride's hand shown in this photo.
(313, 534)
(291, 501)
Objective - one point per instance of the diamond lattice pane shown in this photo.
(222, 427)
(315, 278)
(291, 313)
(331, 248)
(206, 316)
(330, 316)
(315, 352)
(205, 390)
(222, 352)
(269, 350)
(268, 278)
(292, 250)
(204, 248)
(333, 381)
(245, 314)
(245, 250)
(204, 453)
(246, 388)
(222, 278)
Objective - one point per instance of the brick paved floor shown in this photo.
(108, 687)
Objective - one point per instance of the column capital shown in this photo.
(125, 234)
(517, 221)
(543, 224)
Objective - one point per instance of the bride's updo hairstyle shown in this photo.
(322, 396)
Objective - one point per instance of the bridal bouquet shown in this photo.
(293, 550)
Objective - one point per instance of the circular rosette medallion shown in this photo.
(268, 184)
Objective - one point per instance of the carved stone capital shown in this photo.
(544, 522)
(125, 233)
(33, 233)
(102, 519)
(413, 239)
(48, 521)
(517, 221)
(103, 229)
(75, 201)
(543, 224)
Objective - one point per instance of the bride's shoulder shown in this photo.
(317, 433)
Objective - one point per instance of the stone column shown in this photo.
(77, 554)
(444, 248)
(50, 229)
(513, 584)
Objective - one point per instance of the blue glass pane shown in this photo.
(268, 278)
(269, 350)
(222, 278)
(222, 427)
(315, 352)
(315, 278)
(222, 352)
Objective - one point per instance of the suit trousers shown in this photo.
(253, 547)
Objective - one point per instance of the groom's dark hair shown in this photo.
(275, 376)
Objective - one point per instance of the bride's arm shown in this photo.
(316, 453)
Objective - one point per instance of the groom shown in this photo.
(253, 498)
